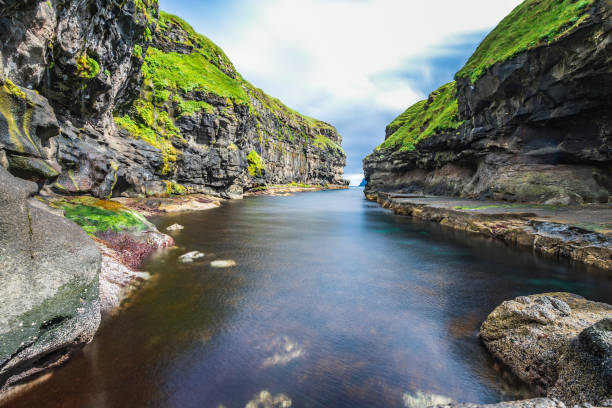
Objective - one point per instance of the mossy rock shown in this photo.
(26, 120)
(31, 167)
(97, 216)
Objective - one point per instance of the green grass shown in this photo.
(425, 118)
(531, 24)
(325, 143)
(188, 72)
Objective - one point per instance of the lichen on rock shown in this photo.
(558, 342)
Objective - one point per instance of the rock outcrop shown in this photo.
(91, 103)
(559, 342)
(534, 126)
(48, 285)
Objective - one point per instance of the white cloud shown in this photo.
(320, 56)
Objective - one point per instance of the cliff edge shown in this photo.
(527, 119)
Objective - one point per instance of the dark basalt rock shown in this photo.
(538, 128)
(41, 44)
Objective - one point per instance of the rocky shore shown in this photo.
(580, 233)
(289, 189)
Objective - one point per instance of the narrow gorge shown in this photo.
(172, 236)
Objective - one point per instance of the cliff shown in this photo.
(527, 119)
(117, 98)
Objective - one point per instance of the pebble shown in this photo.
(223, 263)
(191, 256)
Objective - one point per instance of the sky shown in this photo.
(355, 64)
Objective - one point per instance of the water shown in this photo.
(334, 302)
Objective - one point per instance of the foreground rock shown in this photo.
(48, 285)
(559, 342)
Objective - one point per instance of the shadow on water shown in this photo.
(334, 302)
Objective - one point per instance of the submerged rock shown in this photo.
(191, 256)
(267, 400)
(558, 342)
(48, 285)
(175, 227)
(223, 263)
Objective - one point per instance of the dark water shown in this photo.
(334, 302)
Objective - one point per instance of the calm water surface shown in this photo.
(334, 302)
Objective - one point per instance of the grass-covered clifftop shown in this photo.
(185, 73)
(533, 23)
(434, 115)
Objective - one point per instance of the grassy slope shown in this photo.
(169, 76)
(531, 24)
(423, 119)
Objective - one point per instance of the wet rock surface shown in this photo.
(530, 403)
(537, 129)
(48, 285)
(580, 233)
(559, 342)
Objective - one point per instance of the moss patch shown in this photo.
(531, 24)
(256, 164)
(87, 67)
(98, 216)
(173, 188)
(425, 118)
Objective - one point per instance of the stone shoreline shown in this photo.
(580, 233)
(288, 189)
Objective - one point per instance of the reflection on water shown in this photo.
(328, 301)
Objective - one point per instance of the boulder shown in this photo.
(558, 342)
(48, 285)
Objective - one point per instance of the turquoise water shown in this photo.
(333, 302)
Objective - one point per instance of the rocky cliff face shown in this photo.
(535, 125)
(115, 98)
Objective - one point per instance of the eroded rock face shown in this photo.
(538, 128)
(559, 342)
(48, 285)
(84, 61)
